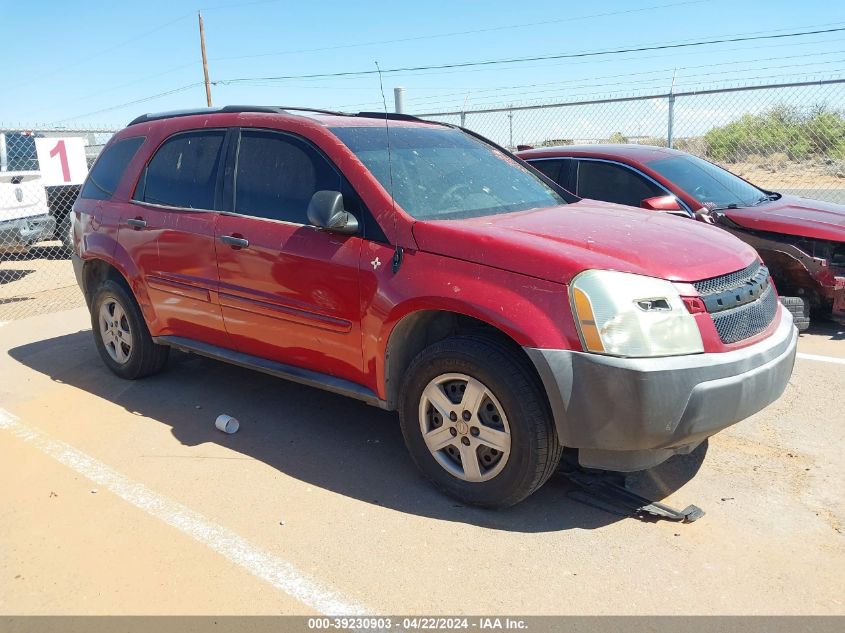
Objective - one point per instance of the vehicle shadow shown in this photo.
(42, 250)
(317, 437)
(834, 331)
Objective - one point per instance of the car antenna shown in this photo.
(399, 252)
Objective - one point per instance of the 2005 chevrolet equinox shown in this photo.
(421, 268)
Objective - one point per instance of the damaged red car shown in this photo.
(802, 241)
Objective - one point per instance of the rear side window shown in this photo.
(183, 172)
(108, 170)
(614, 183)
(277, 175)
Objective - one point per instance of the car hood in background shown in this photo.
(559, 242)
(791, 215)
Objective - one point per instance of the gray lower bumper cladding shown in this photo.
(629, 414)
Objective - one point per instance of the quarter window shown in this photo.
(614, 183)
(277, 175)
(109, 168)
(183, 172)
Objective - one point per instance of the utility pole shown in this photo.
(204, 61)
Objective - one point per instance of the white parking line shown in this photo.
(276, 571)
(823, 359)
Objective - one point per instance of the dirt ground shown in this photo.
(37, 282)
(122, 498)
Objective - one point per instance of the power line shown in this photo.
(428, 101)
(468, 64)
(517, 60)
(102, 52)
(636, 74)
(459, 33)
(129, 103)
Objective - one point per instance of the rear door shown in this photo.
(288, 291)
(168, 231)
(613, 182)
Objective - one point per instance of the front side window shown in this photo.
(614, 183)
(278, 174)
(183, 172)
(550, 168)
(714, 187)
(437, 173)
(108, 170)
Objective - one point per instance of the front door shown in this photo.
(288, 291)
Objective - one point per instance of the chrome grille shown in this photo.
(748, 319)
(727, 282)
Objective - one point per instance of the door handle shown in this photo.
(234, 242)
(137, 223)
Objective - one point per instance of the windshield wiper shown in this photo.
(732, 205)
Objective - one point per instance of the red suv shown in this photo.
(418, 267)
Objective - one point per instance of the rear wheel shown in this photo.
(800, 311)
(121, 335)
(476, 423)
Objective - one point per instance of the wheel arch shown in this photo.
(423, 327)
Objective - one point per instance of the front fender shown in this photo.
(532, 312)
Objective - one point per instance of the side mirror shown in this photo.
(325, 210)
(661, 203)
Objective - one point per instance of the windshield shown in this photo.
(442, 173)
(713, 186)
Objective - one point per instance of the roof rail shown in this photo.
(394, 116)
(157, 116)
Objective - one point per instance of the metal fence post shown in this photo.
(510, 127)
(671, 121)
(399, 100)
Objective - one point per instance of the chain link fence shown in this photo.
(788, 138)
(40, 175)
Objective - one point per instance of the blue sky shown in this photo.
(75, 63)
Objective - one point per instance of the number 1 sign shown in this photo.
(61, 160)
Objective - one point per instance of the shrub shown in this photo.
(785, 130)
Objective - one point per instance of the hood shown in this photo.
(557, 243)
(791, 215)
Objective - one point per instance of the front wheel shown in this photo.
(476, 422)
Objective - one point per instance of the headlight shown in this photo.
(621, 314)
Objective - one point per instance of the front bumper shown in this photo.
(20, 234)
(629, 414)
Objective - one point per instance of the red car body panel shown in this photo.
(794, 216)
(560, 242)
(787, 216)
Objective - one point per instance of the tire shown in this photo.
(800, 311)
(510, 412)
(121, 335)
